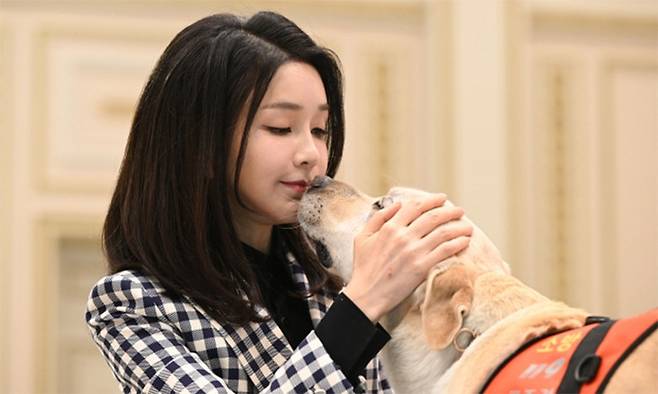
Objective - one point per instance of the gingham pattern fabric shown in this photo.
(156, 344)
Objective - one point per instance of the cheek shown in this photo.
(323, 162)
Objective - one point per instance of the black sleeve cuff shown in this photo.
(349, 337)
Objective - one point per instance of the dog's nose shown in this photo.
(320, 181)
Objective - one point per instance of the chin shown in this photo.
(286, 219)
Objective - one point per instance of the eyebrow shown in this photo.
(291, 106)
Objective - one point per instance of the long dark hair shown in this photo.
(169, 216)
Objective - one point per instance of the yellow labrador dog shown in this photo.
(470, 314)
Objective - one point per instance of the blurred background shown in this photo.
(539, 117)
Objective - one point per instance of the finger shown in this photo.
(444, 233)
(411, 209)
(445, 250)
(434, 218)
(380, 217)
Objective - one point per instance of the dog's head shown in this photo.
(463, 296)
(333, 213)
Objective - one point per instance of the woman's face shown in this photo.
(286, 147)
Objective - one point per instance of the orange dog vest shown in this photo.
(581, 360)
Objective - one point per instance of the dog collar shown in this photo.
(463, 338)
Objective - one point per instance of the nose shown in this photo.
(320, 181)
(307, 153)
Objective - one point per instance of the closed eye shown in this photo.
(320, 133)
(278, 130)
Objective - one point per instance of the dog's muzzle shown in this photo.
(313, 215)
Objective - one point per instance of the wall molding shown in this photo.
(48, 35)
(587, 25)
(381, 131)
(401, 10)
(48, 232)
(609, 67)
(440, 132)
(515, 33)
(559, 128)
(6, 175)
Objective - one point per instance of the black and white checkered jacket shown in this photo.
(158, 345)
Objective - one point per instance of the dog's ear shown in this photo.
(448, 299)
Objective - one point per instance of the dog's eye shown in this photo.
(382, 203)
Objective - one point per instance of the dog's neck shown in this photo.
(479, 361)
(502, 302)
(497, 296)
(410, 366)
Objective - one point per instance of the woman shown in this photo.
(212, 286)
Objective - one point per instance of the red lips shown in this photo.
(297, 183)
(297, 186)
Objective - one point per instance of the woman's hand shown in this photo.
(398, 246)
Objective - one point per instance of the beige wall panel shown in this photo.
(78, 367)
(569, 104)
(88, 86)
(438, 132)
(6, 143)
(480, 124)
(46, 59)
(383, 138)
(67, 261)
(552, 81)
(561, 164)
(630, 116)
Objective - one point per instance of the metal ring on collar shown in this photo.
(472, 334)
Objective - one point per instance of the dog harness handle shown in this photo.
(585, 363)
